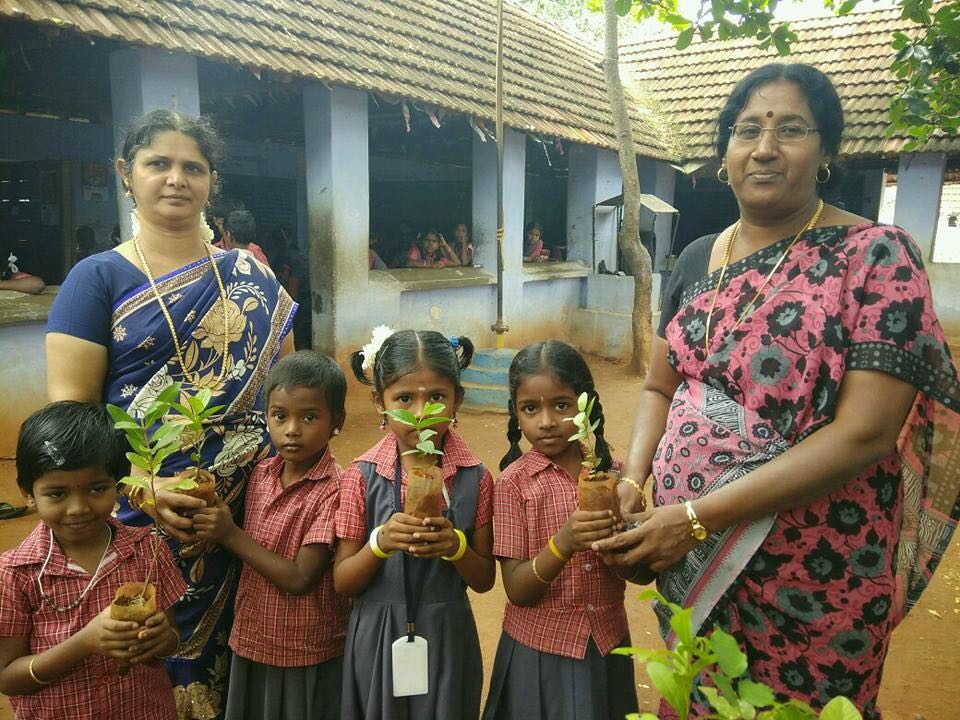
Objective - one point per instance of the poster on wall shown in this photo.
(94, 179)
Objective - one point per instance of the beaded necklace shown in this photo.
(48, 601)
(166, 313)
(726, 261)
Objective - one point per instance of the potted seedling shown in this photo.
(597, 489)
(195, 412)
(424, 482)
(137, 601)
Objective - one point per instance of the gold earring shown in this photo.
(726, 178)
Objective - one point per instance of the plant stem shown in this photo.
(156, 536)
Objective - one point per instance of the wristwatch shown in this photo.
(697, 531)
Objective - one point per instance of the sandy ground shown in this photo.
(923, 665)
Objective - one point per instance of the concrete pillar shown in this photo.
(658, 178)
(874, 180)
(485, 217)
(142, 80)
(337, 162)
(594, 176)
(919, 186)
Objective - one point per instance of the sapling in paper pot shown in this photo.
(424, 482)
(150, 447)
(194, 409)
(597, 489)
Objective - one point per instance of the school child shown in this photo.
(58, 646)
(565, 612)
(411, 628)
(289, 624)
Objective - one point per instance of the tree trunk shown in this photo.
(628, 237)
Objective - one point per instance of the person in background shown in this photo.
(463, 244)
(217, 215)
(533, 250)
(433, 251)
(293, 272)
(86, 242)
(12, 273)
(375, 261)
(240, 231)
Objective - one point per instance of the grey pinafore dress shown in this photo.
(444, 618)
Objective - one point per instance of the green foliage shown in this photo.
(423, 424)
(731, 695)
(150, 449)
(584, 429)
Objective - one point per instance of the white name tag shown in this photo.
(410, 670)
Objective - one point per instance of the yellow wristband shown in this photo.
(33, 675)
(460, 550)
(375, 546)
(533, 566)
(556, 551)
(631, 481)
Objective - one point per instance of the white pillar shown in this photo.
(142, 80)
(594, 176)
(919, 186)
(336, 156)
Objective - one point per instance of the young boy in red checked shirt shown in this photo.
(288, 633)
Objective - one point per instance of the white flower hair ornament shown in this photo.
(370, 350)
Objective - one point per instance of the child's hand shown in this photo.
(583, 528)
(215, 523)
(109, 637)
(437, 539)
(398, 533)
(154, 636)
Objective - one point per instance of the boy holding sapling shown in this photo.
(289, 625)
(565, 612)
(61, 652)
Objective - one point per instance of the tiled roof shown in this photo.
(431, 51)
(854, 51)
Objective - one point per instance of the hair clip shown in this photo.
(454, 341)
(54, 453)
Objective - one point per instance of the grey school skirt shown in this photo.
(531, 685)
(265, 692)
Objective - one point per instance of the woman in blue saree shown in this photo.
(167, 307)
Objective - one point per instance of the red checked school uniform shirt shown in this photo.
(352, 515)
(533, 500)
(271, 626)
(93, 690)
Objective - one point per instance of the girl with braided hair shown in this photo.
(565, 612)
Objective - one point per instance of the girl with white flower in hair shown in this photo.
(167, 307)
(412, 649)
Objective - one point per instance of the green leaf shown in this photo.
(651, 594)
(426, 434)
(746, 711)
(136, 481)
(403, 416)
(184, 483)
(139, 461)
(725, 686)
(582, 401)
(681, 622)
(666, 683)
(119, 415)
(757, 694)
(431, 409)
(840, 709)
(685, 38)
(168, 433)
(623, 7)
(729, 656)
(724, 709)
(430, 421)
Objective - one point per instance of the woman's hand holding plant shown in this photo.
(660, 542)
(435, 538)
(582, 529)
(214, 523)
(172, 509)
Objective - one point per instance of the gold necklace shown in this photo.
(726, 261)
(166, 313)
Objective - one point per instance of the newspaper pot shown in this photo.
(206, 488)
(424, 492)
(598, 492)
(133, 603)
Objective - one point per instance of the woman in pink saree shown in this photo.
(800, 416)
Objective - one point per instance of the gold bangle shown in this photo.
(461, 549)
(133, 497)
(33, 675)
(533, 566)
(631, 481)
(556, 551)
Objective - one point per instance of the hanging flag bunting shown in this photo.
(406, 114)
(431, 113)
(476, 129)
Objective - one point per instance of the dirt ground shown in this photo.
(923, 665)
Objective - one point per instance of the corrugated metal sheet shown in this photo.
(439, 52)
(854, 51)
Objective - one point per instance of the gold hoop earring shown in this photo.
(827, 178)
(725, 179)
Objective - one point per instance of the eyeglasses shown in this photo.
(788, 132)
